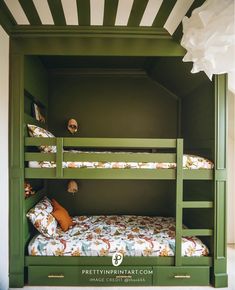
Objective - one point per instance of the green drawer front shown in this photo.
(53, 275)
(90, 276)
(181, 276)
(116, 276)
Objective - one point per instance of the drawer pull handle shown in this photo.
(182, 276)
(52, 276)
(124, 277)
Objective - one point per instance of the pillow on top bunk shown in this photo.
(35, 131)
(42, 219)
(61, 215)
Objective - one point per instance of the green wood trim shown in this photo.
(94, 173)
(197, 261)
(31, 12)
(120, 142)
(110, 11)
(163, 13)
(220, 174)
(197, 232)
(88, 173)
(198, 174)
(40, 156)
(220, 187)
(59, 157)
(7, 21)
(37, 141)
(57, 12)
(47, 173)
(32, 121)
(98, 43)
(16, 196)
(197, 204)
(120, 157)
(83, 7)
(137, 12)
(93, 31)
(142, 261)
(179, 199)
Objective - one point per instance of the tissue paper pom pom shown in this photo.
(209, 37)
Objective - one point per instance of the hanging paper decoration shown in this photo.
(209, 37)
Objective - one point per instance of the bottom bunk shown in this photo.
(110, 250)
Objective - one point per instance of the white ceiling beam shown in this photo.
(70, 11)
(123, 12)
(97, 12)
(17, 12)
(177, 14)
(150, 12)
(44, 12)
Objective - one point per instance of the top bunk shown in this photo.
(113, 158)
(135, 120)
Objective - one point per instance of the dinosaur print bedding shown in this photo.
(104, 235)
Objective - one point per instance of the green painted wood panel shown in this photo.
(57, 12)
(137, 261)
(104, 43)
(36, 79)
(16, 183)
(110, 11)
(31, 12)
(137, 12)
(118, 99)
(181, 276)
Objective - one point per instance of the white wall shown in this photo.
(4, 97)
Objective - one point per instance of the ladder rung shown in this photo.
(197, 232)
(197, 204)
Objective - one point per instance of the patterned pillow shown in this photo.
(35, 131)
(42, 219)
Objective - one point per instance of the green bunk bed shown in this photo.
(132, 106)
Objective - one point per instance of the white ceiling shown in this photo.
(97, 12)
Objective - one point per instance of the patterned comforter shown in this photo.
(189, 162)
(105, 235)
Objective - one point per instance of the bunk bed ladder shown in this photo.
(179, 201)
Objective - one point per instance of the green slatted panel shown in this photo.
(31, 12)
(84, 12)
(179, 31)
(57, 12)
(110, 11)
(163, 13)
(137, 12)
(179, 202)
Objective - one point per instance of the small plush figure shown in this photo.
(72, 186)
(72, 126)
(28, 190)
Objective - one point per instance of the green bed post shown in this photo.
(16, 167)
(220, 277)
(179, 202)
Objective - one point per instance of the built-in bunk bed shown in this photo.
(149, 161)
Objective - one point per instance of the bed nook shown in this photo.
(146, 151)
